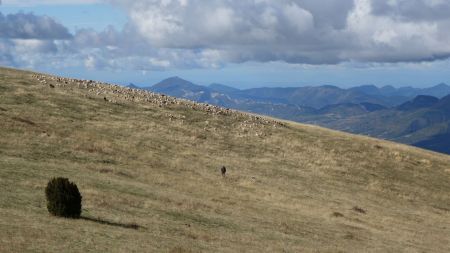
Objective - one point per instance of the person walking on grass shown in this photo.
(223, 170)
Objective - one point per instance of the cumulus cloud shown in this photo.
(246, 30)
(27, 53)
(413, 10)
(164, 34)
(30, 26)
(196, 23)
(27, 40)
(110, 49)
(298, 31)
(388, 38)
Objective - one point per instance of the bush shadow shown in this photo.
(111, 223)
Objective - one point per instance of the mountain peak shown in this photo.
(418, 102)
(367, 86)
(442, 85)
(330, 87)
(178, 87)
(174, 78)
(173, 81)
(133, 86)
(444, 103)
(369, 89)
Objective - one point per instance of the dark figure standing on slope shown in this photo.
(223, 170)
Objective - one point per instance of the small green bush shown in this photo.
(63, 198)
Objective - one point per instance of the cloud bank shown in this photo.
(29, 26)
(301, 31)
(164, 34)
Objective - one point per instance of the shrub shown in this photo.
(63, 198)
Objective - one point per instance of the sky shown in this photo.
(241, 43)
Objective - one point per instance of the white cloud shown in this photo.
(196, 23)
(164, 34)
(296, 31)
(388, 39)
(30, 26)
(299, 19)
(42, 46)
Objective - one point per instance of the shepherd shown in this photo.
(223, 170)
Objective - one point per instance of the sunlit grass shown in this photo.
(150, 180)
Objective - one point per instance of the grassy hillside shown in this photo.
(148, 169)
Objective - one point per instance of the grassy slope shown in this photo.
(293, 189)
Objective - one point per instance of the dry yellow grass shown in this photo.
(151, 182)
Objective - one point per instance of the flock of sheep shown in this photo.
(115, 93)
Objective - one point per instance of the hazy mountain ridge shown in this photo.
(439, 91)
(316, 97)
(408, 115)
(415, 122)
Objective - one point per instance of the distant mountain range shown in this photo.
(423, 122)
(406, 92)
(419, 117)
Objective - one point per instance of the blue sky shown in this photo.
(74, 16)
(240, 43)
